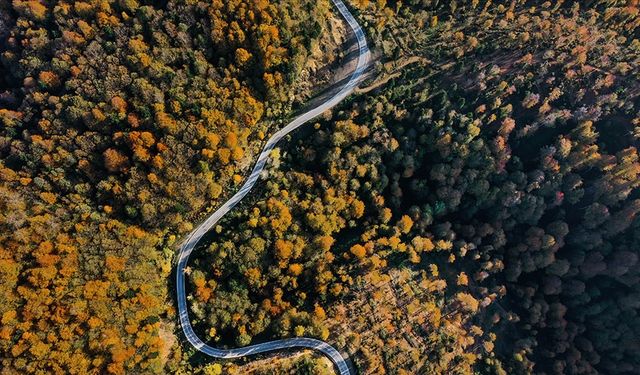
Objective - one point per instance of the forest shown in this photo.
(121, 122)
(472, 209)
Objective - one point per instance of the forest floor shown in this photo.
(279, 361)
(392, 69)
(326, 77)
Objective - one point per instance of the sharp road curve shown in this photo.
(195, 236)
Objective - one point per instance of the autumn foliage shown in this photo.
(119, 122)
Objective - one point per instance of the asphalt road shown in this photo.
(195, 236)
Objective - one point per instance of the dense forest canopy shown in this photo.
(120, 121)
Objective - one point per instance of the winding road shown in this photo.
(194, 237)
